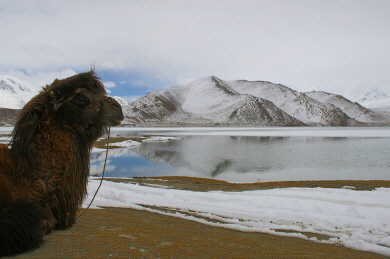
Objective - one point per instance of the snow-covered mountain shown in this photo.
(352, 109)
(207, 101)
(8, 116)
(296, 104)
(15, 93)
(375, 97)
(121, 101)
(212, 101)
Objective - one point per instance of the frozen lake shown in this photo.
(252, 154)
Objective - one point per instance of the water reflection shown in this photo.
(249, 159)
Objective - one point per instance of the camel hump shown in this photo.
(21, 227)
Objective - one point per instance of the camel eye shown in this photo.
(80, 100)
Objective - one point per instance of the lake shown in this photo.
(251, 154)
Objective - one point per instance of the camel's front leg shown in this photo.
(48, 219)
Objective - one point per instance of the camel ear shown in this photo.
(80, 100)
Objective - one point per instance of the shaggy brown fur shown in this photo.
(43, 176)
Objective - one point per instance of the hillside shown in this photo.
(213, 102)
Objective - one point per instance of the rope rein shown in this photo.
(101, 180)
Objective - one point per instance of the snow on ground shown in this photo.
(160, 139)
(126, 143)
(6, 129)
(4, 140)
(361, 132)
(355, 219)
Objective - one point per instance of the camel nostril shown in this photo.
(116, 106)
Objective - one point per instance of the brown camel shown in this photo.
(43, 176)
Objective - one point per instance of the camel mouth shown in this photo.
(113, 112)
(114, 121)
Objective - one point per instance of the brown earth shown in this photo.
(127, 233)
(206, 184)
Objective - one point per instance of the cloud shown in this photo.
(109, 84)
(304, 44)
(39, 78)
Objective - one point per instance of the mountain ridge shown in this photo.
(211, 101)
(292, 102)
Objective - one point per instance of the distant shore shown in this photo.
(128, 233)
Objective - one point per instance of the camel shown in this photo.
(44, 174)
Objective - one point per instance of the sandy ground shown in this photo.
(127, 233)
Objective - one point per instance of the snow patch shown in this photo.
(355, 219)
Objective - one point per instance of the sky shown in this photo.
(140, 46)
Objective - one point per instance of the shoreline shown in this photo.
(209, 184)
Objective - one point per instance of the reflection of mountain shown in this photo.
(212, 156)
(101, 154)
(98, 157)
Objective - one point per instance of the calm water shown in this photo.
(249, 155)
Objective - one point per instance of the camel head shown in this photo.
(81, 102)
(78, 104)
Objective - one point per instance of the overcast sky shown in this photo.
(140, 46)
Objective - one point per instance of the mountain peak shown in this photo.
(15, 93)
